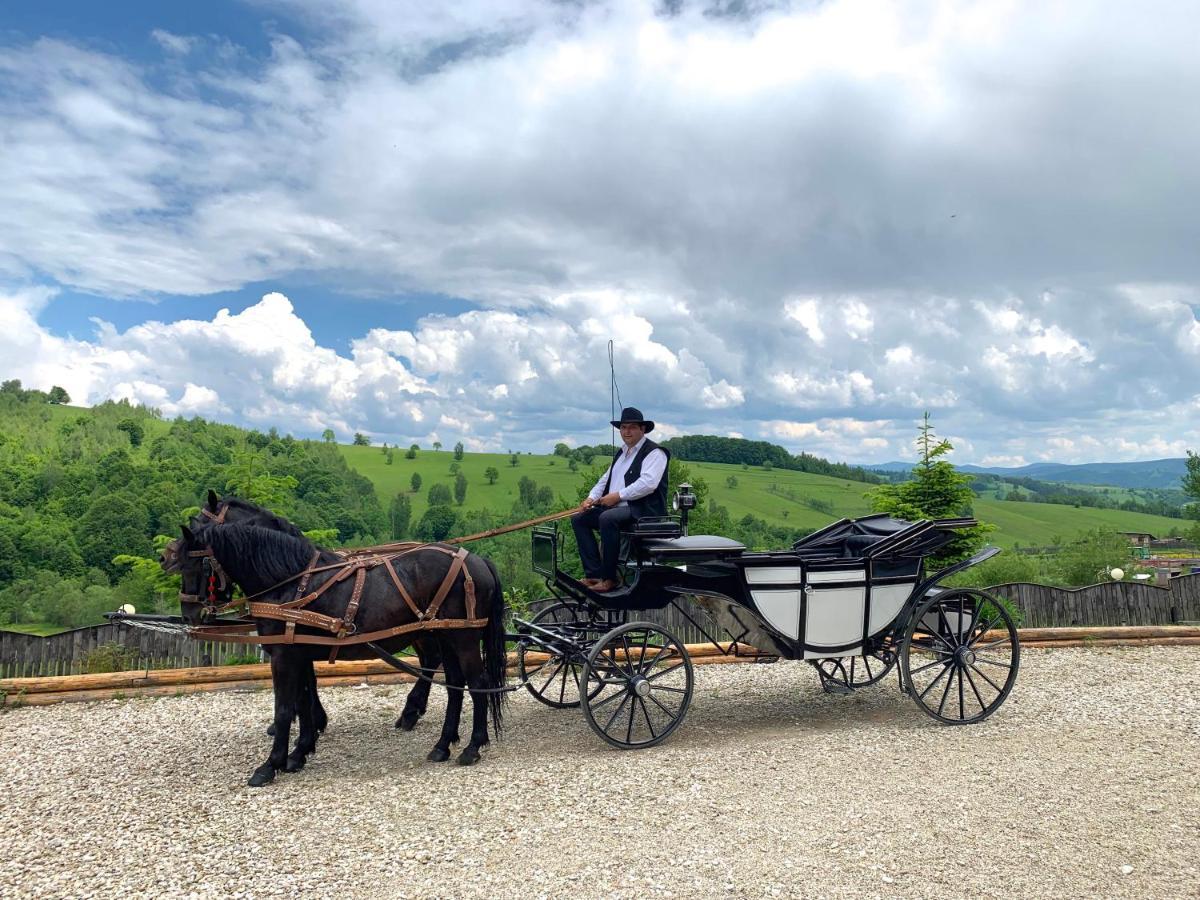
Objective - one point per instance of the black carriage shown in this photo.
(853, 599)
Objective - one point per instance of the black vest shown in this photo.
(654, 503)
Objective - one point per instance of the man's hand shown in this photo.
(586, 503)
(610, 500)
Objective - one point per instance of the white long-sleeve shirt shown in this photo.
(653, 469)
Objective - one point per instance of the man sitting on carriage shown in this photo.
(634, 487)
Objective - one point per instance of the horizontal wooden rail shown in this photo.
(178, 682)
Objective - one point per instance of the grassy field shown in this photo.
(796, 499)
(41, 629)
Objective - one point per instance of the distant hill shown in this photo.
(1154, 473)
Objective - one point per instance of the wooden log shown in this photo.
(170, 681)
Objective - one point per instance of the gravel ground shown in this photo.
(1086, 782)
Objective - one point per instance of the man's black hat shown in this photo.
(632, 416)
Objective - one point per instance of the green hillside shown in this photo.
(780, 497)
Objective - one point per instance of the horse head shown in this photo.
(206, 590)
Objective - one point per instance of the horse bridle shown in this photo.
(213, 576)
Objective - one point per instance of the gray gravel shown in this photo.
(1087, 782)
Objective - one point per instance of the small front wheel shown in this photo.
(645, 684)
(960, 656)
(549, 671)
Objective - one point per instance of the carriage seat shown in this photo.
(693, 546)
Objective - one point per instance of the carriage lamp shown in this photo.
(128, 609)
(683, 502)
(1116, 574)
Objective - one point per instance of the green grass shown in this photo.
(759, 492)
(41, 629)
(435, 466)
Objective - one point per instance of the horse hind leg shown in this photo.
(454, 702)
(307, 707)
(472, 666)
(418, 698)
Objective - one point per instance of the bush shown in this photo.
(110, 657)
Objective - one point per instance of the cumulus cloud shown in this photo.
(781, 213)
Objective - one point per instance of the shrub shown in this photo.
(110, 657)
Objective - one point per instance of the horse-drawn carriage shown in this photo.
(853, 599)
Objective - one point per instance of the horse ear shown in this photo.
(213, 500)
(187, 534)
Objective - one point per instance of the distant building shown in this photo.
(1139, 538)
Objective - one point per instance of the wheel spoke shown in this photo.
(936, 662)
(931, 684)
(646, 714)
(983, 675)
(992, 662)
(620, 706)
(660, 706)
(609, 699)
(662, 650)
(996, 643)
(632, 710)
(942, 618)
(982, 705)
(962, 712)
(946, 692)
(557, 669)
(562, 689)
(663, 687)
(658, 675)
(642, 653)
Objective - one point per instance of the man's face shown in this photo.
(631, 433)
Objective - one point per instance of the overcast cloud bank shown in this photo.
(808, 223)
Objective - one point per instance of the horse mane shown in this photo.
(270, 519)
(272, 555)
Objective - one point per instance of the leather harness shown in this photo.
(343, 630)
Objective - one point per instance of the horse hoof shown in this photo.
(271, 730)
(408, 721)
(437, 754)
(264, 774)
(295, 762)
(468, 757)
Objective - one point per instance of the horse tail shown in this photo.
(495, 650)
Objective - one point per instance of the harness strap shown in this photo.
(447, 582)
(239, 634)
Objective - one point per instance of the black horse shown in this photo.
(232, 510)
(266, 565)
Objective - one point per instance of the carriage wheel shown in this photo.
(857, 671)
(645, 683)
(555, 681)
(960, 656)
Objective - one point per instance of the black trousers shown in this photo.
(597, 564)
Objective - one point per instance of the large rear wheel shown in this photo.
(644, 678)
(960, 656)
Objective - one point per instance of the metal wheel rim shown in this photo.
(848, 669)
(621, 660)
(555, 682)
(947, 684)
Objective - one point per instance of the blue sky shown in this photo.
(805, 223)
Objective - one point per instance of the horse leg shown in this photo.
(287, 685)
(320, 719)
(306, 711)
(471, 663)
(454, 702)
(418, 698)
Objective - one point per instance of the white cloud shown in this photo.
(822, 212)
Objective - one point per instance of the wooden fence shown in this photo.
(1116, 603)
(68, 653)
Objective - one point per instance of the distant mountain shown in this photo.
(1153, 473)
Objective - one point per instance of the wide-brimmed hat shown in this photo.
(632, 416)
